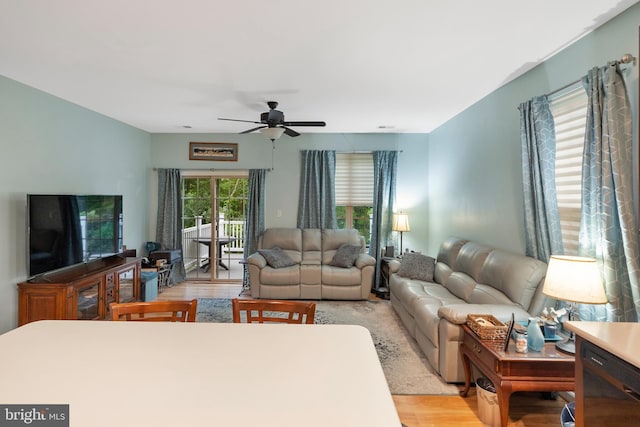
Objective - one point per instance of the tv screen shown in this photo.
(64, 230)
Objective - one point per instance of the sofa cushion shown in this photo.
(441, 293)
(425, 312)
(311, 246)
(441, 273)
(345, 256)
(340, 276)
(332, 239)
(289, 239)
(447, 255)
(276, 257)
(417, 266)
(485, 294)
(471, 258)
(517, 276)
(285, 276)
(449, 249)
(405, 290)
(461, 285)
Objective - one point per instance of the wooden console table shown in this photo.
(510, 372)
(81, 292)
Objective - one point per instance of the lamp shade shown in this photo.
(272, 133)
(401, 222)
(575, 279)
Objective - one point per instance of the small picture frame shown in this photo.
(213, 151)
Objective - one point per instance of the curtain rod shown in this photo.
(195, 170)
(213, 170)
(270, 169)
(627, 58)
(207, 170)
(364, 152)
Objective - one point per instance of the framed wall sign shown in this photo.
(213, 151)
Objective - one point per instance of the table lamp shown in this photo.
(575, 280)
(401, 224)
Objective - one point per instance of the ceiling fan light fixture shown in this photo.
(272, 133)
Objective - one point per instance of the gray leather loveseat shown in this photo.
(467, 278)
(293, 263)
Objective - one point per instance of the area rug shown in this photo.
(406, 369)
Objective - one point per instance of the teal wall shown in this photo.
(52, 146)
(282, 185)
(475, 179)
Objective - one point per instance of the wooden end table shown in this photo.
(510, 372)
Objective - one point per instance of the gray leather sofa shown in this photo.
(468, 278)
(309, 271)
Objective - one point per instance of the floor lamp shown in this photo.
(576, 280)
(401, 224)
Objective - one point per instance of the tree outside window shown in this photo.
(354, 192)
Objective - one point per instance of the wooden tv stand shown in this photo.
(81, 292)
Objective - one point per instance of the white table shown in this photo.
(197, 374)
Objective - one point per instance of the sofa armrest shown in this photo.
(257, 260)
(457, 313)
(394, 265)
(364, 260)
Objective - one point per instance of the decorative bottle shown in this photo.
(535, 339)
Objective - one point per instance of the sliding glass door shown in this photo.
(214, 214)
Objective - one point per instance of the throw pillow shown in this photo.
(345, 256)
(276, 257)
(417, 266)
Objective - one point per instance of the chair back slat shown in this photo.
(155, 311)
(273, 311)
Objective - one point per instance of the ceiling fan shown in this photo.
(273, 125)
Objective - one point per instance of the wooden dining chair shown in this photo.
(272, 311)
(155, 311)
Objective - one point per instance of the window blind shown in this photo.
(354, 179)
(569, 111)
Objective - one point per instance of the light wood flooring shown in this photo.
(527, 409)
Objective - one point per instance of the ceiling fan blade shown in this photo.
(237, 120)
(251, 130)
(290, 132)
(304, 123)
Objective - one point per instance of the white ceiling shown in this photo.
(359, 65)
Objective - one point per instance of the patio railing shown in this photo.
(195, 254)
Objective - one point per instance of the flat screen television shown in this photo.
(64, 230)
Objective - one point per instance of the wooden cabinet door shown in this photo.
(127, 286)
(44, 302)
(90, 298)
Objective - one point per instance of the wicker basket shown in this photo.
(487, 327)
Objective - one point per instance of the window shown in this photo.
(354, 192)
(569, 109)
